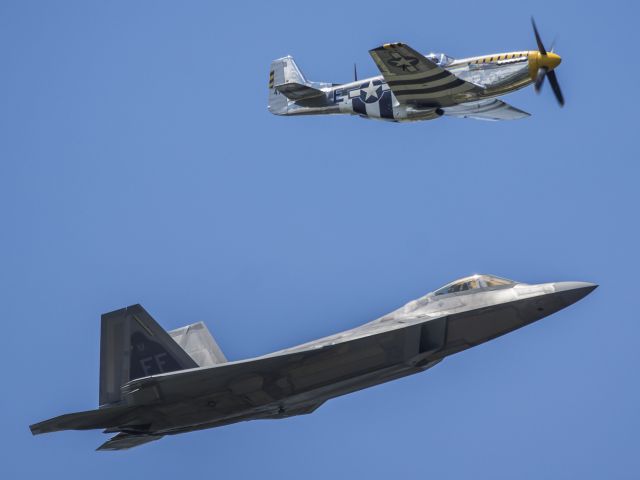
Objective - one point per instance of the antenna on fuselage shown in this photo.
(355, 73)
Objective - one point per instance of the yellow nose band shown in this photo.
(538, 60)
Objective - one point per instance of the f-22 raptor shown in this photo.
(155, 383)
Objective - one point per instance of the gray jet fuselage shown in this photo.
(390, 347)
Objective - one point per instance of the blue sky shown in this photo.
(138, 163)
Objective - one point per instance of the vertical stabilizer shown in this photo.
(133, 345)
(280, 69)
(289, 90)
(287, 83)
(197, 341)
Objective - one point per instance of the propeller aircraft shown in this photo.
(419, 87)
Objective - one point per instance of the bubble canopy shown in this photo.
(440, 59)
(474, 282)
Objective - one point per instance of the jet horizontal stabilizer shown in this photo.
(100, 418)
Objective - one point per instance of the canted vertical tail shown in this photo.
(133, 345)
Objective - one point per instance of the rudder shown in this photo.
(278, 103)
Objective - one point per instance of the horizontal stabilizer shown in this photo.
(287, 84)
(297, 91)
(124, 441)
(100, 418)
(197, 341)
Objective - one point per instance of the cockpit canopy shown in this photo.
(474, 282)
(440, 59)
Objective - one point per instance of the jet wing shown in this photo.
(258, 381)
(492, 110)
(417, 80)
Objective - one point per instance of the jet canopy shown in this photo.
(474, 282)
(440, 59)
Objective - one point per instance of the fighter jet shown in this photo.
(418, 87)
(155, 383)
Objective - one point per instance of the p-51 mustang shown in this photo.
(418, 87)
(155, 383)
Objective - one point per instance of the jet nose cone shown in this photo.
(571, 292)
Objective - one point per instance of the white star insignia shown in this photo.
(371, 91)
(403, 62)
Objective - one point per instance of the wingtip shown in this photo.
(387, 46)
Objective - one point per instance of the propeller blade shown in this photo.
(555, 86)
(355, 73)
(542, 72)
(541, 48)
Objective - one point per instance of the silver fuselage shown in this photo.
(495, 75)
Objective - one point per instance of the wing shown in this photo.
(417, 80)
(492, 109)
(260, 381)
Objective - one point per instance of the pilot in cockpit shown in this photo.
(472, 283)
(440, 59)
